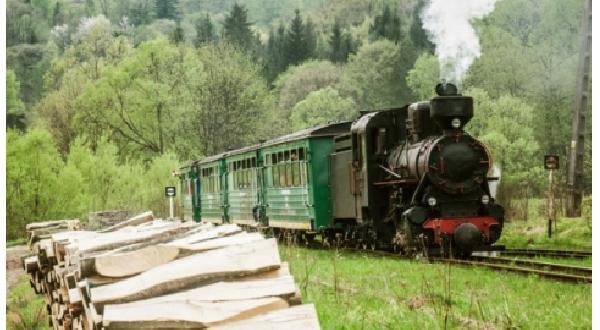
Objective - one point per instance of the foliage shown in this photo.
(32, 167)
(40, 186)
(237, 28)
(387, 25)
(321, 107)
(204, 31)
(230, 100)
(423, 77)
(505, 126)
(341, 44)
(374, 77)
(24, 309)
(298, 81)
(15, 110)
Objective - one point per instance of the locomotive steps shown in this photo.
(148, 273)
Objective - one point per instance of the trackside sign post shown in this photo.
(170, 193)
(551, 163)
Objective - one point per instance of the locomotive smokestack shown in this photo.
(449, 109)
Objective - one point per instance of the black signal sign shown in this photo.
(551, 162)
(170, 191)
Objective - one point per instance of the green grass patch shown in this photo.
(14, 242)
(570, 233)
(354, 291)
(24, 309)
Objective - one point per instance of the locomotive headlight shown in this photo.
(431, 201)
(455, 122)
(485, 199)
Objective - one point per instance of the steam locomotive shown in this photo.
(408, 179)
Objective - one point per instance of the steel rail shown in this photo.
(572, 269)
(503, 267)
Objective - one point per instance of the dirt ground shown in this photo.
(14, 270)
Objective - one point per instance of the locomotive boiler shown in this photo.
(450, 204)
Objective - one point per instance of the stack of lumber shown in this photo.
(102, 219)
(150, 273)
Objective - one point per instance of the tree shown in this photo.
(177, 36)
(504, 124)
(142, 12)
(141, 100)
(424, 76)
(375, 76)
(204, 31)
(276, 60)
(335, 42)
(300, 38)
(236, 28)
(341, 45)
(418, 36)
(32, 168)
(230, 99)
(167, 9)
(298, 81)
(321, 107)
(13, 100)
(15, 110)
(387, 25)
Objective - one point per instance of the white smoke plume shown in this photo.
(448, 25)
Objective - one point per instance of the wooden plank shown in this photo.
(296, 317)
(141, 218)
(283, 287)
(209, 267)
(185, 314)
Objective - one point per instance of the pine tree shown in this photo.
(204, 31)
(178, 35)
(57, 15)
(310, 39)
(167, 9)
(276, 59)
(335, 42)
(417, 34)
(395, 30)
(348, 47)
(237, 28)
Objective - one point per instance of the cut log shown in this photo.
(133, 221)
(283, 287)
(209, 267)
(296, 317)
(129, 263)
(219, 231)
(185, 314)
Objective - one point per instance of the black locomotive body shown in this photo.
(418, 179)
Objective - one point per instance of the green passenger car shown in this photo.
(280, 183)
(213, 189)
(244, 194)
(188, 192)
(296, 175)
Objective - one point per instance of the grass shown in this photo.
(570, 233)
(24, 309)
(14, 242)
(353, 291)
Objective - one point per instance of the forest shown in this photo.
(105, 98)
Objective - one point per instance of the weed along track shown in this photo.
(554, 271)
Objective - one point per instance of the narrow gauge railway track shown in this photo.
(493, 264)
(540, 253)
(558, 272)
